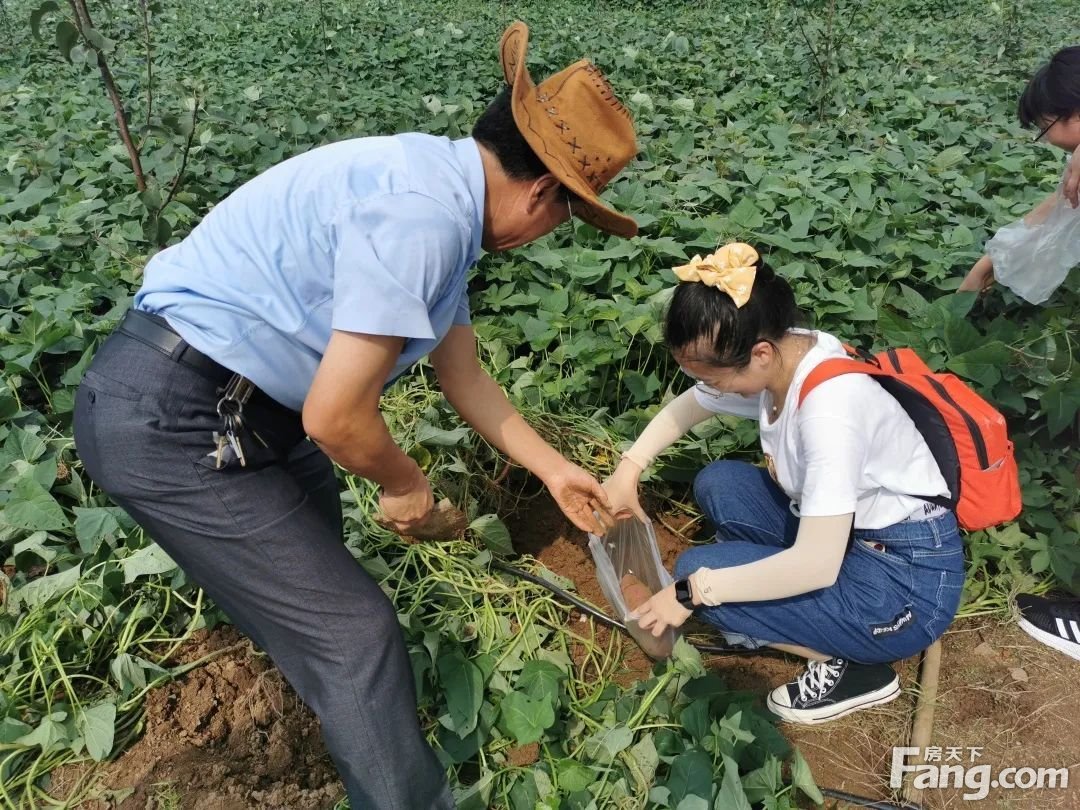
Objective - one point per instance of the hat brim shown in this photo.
(513, 50)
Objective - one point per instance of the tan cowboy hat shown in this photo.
(575, 125)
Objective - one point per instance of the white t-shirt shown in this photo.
(850, 447)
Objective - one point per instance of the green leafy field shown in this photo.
(870, 148)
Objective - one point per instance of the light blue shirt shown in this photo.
(371, 235)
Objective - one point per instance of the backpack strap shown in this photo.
(836, 367)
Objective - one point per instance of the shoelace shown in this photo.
(819, 676)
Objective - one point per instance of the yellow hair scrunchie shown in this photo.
(731, 269)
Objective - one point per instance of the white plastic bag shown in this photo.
(1033, 260)
(630, 549)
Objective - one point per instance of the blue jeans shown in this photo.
(885, 604)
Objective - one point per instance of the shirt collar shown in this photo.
(468, 154)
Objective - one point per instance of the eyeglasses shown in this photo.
(1046, 129)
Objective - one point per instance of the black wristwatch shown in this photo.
(683, 595)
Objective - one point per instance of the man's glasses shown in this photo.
(1046, 129)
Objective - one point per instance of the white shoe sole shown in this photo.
(1070, 648)
(812, 717)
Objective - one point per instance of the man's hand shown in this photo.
(579, 495)
(661, 612)
(980, 278)
(484, 406)
(1071, 188)
(408, 507)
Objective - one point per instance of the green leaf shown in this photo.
(493, 534)
(693, 803)
(646, 757)
(12, 730)
(574, 776)
(526, 718)
(37, 192)
(42, 589)
(802, 779)
(746, 215)
(66, 37)
(982, 365)
(428, 434)
(38, 13)
(541, 680)
(97, 725)
(1060, 403)
(697, 719)
(146, 562)
(32, 507)
(50, 734)
(961, 336)
(687, 659)
(94, 524)
(604, 745)
(767, 780)
(690, 775)
(463, 685)
(731, 796)
(96, 40)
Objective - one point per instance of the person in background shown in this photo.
(283, 316)
(832, 550)
(1051, 104)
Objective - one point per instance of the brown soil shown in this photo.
(230, 734)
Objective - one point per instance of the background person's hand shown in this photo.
(410, 507)
(1071, 187)
(622, 490)
(979, 278)
(661, 612)
(579, 496)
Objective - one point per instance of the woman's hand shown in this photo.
(661, 612)
(1071, 184)
(622, 490)
(581, 498)
(979, 278)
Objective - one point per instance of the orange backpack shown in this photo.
(967, 436)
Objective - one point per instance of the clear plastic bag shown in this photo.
(1033, 260)
(630, 550)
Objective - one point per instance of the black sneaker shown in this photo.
(832, 689)
(1054, 622)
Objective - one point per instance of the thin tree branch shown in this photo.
(149, 62)
(806, 39)
(183, 160)
(82, 16)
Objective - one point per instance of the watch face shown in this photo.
(682, 593)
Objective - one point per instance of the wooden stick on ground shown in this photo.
(923, 723)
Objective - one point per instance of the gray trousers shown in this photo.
(265, 543)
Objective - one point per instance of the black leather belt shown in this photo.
(154, 331)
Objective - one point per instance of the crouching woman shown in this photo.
(832, 550)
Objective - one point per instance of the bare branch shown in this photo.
(82, 17)
(806, 39)
(183, 160)
(149, 62)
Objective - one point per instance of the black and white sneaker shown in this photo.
(1054, 622)
(832, 689)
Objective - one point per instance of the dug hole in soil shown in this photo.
(231, 735)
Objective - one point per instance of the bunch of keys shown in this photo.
(231, 410)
